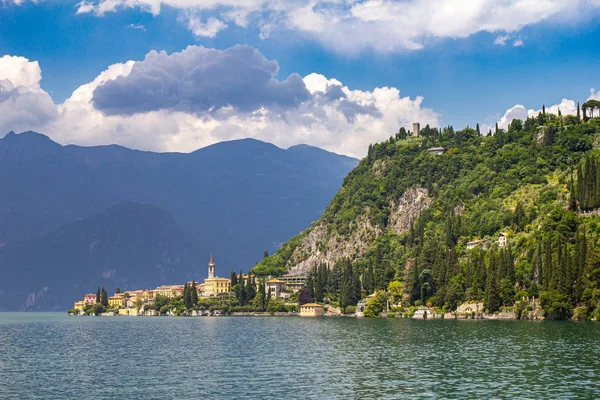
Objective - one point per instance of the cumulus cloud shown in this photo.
(382, 25)
(23, 104)
(518, 111)
(187, 100)
(199, 80)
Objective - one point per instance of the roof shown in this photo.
(311, 305)
(478, 241)
(436, 149)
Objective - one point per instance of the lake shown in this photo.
(53, 356)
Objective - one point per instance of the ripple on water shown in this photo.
(49, 356)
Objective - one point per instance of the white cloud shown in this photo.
(518, 43)
(383, 25)
(331, 116)
(137, 27)
(209, 29)
(518, 111)
(23, 104)
(501, 40)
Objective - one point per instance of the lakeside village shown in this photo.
(287, 295)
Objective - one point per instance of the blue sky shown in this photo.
(466, 74)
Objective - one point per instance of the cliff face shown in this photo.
(407, 208)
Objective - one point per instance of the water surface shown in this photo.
(53, 356)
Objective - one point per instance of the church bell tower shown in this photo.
(211, 268)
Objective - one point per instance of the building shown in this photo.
(360, 308)
(80, 305)
(90, 299)
(436, 151)
(292, 283)
(311, 310)
(502, 240)
(416, 129)
(476, 243)
(168, 291)
(274, 288)
(116, 301)
(213, 285)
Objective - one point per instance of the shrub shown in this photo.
(350, 310)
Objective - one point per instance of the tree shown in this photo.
(376, 305)
(98, 295)
(265, 254)
(194, 294)
(234, 279)
(104, 297)
(118, 290)
(578, 112)
(396, 289)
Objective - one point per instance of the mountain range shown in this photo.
(108, 215)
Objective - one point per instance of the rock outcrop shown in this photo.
(407, 208)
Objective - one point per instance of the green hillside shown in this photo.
(406, 215)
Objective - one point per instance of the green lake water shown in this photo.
(53, 356)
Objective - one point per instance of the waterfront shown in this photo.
(53, 356)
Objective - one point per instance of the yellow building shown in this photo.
(213, 285)
(311, 310)
(116, 301)
(168, 290)
(79, 305)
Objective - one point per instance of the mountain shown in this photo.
(237, 198)
(434, 222)
(129, 245)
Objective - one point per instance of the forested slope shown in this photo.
(406, 215)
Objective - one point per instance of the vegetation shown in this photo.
(536, 182)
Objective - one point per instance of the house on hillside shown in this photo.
(437, 151)
(502, 240)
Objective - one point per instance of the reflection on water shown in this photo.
(50, 356)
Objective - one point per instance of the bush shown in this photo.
(391, 315)
(350, 310)
(276, 305)
(292, 308)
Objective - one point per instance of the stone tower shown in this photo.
(211, 268)
(416, 129)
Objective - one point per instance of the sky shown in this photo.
(177, 75)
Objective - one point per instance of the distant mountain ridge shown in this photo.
(236, 198)
(130, 245)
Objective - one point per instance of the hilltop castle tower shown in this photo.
(416, 129)
(211, 268)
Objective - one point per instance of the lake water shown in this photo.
(51, 356)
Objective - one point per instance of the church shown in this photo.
(213, 285)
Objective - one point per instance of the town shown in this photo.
(214, 297)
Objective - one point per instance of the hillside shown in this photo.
(406, 215)
(129, 245)
(238, 198)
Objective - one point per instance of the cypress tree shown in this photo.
(194, 294)
(492, 298)
(233, 277)
(104, 297)
(98, 295)
(578, 112)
